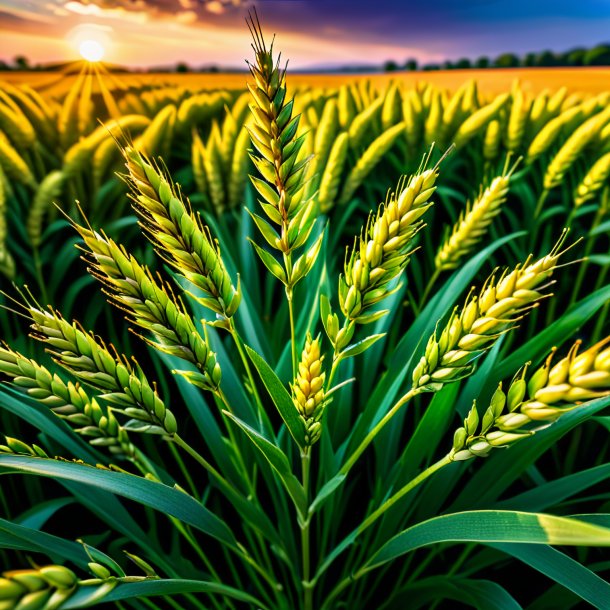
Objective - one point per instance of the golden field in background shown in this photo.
(492, 81)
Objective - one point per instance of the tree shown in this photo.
(575, 57)
(182, 68)
(482, 62)
(411, 65)
(390, 66)
(597, 56)
(22, 63)
(529, 60)
(507, 60)
(546, 59)
(463, 64)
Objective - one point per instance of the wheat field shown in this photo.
(304, 341)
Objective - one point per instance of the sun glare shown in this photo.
(91, 50)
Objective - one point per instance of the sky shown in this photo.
(312, 33)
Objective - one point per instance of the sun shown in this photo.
(91, 50)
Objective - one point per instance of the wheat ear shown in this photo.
(484, 318)
(45, 588)
(474, 221)
(308, 389)
(68, 401)
(88, 358)
(383, 250)
(529, 406)
(179, 236)
(151, 305)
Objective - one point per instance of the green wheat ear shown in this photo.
(179, 236)
(279, 159)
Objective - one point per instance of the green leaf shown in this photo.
(270, 262)
(325, 493)
(148, 493)
(281, 398)
(20, 537)
(475, 593)
(279, 462)
(360, 346)
(267, 231)
(305, 262)
(562, 569)
(554, 492)
(86, 596)
(492, 526)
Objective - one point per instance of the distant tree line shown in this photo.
(596, 56)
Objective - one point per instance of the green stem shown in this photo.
(183, 469)
(412, 484)
(293, 339)
(370, 437)
(585, 263)
(222, 482)
(307, 586)
(245, 362)
(428, 288)
(540, 203)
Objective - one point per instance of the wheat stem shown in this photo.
(412, 484)
(435, 275)
(370, 437)
(307, 586)
(582, 270)
(183, 469)
(244, 358)
(222, 482)
(293, 340)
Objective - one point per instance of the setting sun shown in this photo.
(91, 50)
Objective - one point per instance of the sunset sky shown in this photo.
(313, 33)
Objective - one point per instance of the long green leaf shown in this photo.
(149, 493)
(279, 462)
(492, 526)
(87, 596)
(281, 398)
